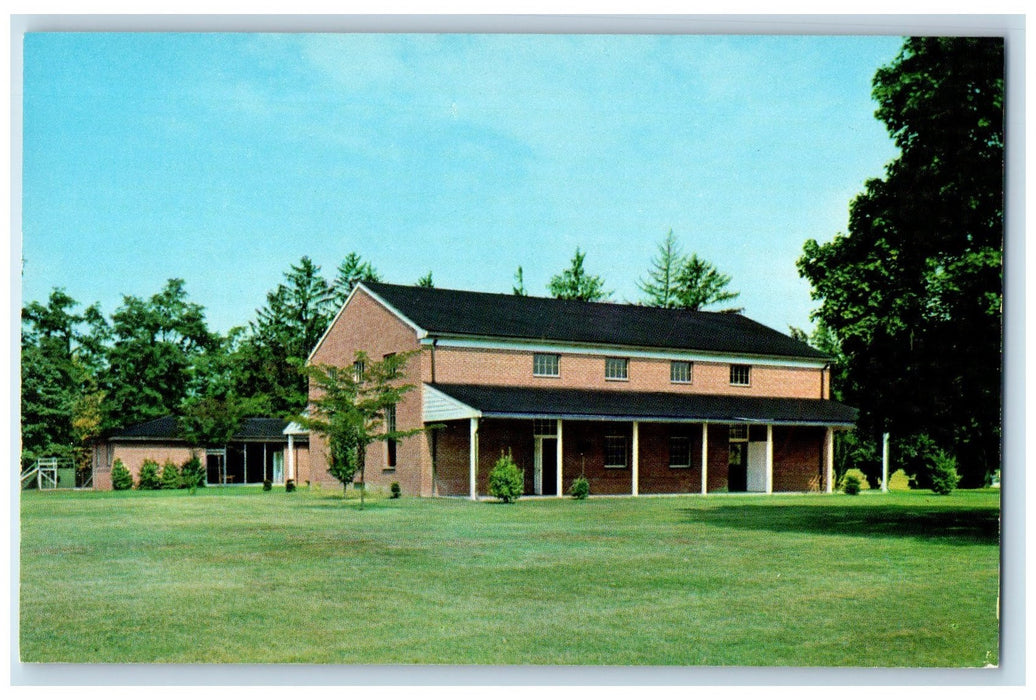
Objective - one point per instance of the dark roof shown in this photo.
(167, 428)
(503, 401)
(454, 312)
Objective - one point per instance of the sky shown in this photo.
(224, 158)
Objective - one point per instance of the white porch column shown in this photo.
(704, 458)
(829, 460)
(291, 456)
(636, 458)
(884, 462)
(473, 459)
(769, 458)
(560, 452)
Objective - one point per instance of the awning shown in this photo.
(456, 401)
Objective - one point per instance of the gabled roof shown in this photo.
(602, 404)
(453, 312)
(167, 428)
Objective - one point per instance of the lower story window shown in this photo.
(679, 452)
(615, 451)
(390, 444)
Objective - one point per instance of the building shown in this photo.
(640, 400)
(262, 449)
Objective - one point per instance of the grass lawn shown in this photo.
(239, 575)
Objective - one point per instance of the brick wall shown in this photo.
(134, 454)
(514, 368)
(366, 325)
(656, 476)
(798, 458)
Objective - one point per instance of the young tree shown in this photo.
(519, 284)
(350, 408)
(426, 281)
(576, 283)
(913, 292)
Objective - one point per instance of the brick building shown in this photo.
(637, 399)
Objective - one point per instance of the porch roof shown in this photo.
(167, 429)
(453, 401)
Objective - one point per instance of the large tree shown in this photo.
(155, 343)
(913, 291)
(283, 334)
(576, 283)
(351, 271)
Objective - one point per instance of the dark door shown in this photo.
(550, 467)
(737, 473)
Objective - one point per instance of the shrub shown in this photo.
(396, 491)
(170, 478)
(943, 475)
(580, 488)
(122, 480)
(851, 485)
(289, 486)
(267, 485)
(148, 479)
(506, 481)
(192, 475)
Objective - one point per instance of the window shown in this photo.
(680, 372)
(358, 368)
(615, 451)
(544, 365)
(616, 368)
(390, 444)
(544, 427)
(739, 433)
(740, 375)
(679, 452)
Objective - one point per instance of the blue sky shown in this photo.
(224, 158)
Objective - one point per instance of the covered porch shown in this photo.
(631, 443)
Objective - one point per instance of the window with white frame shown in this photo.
(358, 368)
(739, 433)
(616, 368)
(543, 427)
(740, 375)
(680, 372)
(615, 451)
(679, 452)
(544, 365)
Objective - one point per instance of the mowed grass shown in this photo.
(242, 576)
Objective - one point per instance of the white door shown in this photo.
(278, 467)
(757, 467)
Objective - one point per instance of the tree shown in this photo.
(352, 270)
(913, 291)
(575, 283)
(155, 344)
(285, 331)
(519, 284)
(351, 408)
(62, 354)
(426, 281)
(677, 281)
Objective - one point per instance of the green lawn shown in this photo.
(238, 575)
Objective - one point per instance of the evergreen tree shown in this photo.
(352, 270)
(426, 281)
(697, 284)
(576, 283)
(519, 284)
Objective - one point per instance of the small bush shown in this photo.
(170, 478)
(506, 481)
(192, 475)
(148, 479)
(851, 485)
(396, 491)
(267, 485)
(289, 486)
(580, 488)
(943, 475)
(122, 480)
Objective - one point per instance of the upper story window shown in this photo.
(615, 451)
(680, 372)
(616, 368)
(544, 365)
(358, 369)
(740, 375)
